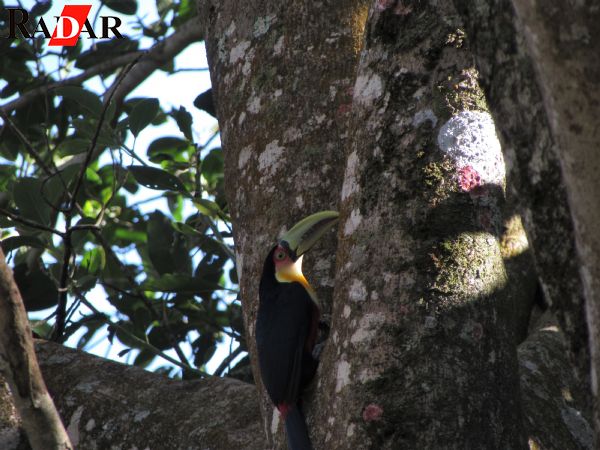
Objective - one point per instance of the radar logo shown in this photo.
(68, 27)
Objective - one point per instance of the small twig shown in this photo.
(171, 335)
(220, 240)
(92, 148)
(61, 308)
(85, 226)
(30, 223)
(28, 145)
(227, 361)
(191, 69)
(157, 56)
(68, 213)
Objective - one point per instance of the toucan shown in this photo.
(287, 324)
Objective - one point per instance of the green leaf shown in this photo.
(212, 167)
(73, 146)
(204, 348)
(185, 11)
(166, 249)
(166, 148)
(27, 194)
(159, 337)
(233, 276)
(86, 99)
(142, 114)
(92, 176)
(207, 207)
(128, 7)
(94, 260)
(36, 287)
(184, 122)
(127, 337)
(186, 229)
(143, 358)
(41, 328)
(160, 238)
(163, 6)
(11, 243)
(40, 8)
(205, 102)
(154, 178)
(131, 235)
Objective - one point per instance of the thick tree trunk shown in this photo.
(282, 75)
(534, 175)
(420, 355)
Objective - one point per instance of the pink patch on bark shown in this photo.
(477, 331)
(385, 4)
(372, 412)
(344, 108)
(468, 179)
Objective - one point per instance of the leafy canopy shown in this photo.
(69, 169)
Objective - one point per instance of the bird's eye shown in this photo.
(280, 255)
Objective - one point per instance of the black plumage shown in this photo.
(285, 331)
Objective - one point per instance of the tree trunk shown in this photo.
(534, 176)
(562, 40)
(549, 118)
(420, 356)
(282, 75)
(422, 351)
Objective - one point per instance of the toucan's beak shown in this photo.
(302, 236)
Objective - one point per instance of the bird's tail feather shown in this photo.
(296, 431)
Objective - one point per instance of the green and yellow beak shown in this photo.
(302, 236)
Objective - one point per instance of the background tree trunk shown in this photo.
(534, 176)
(563, 45)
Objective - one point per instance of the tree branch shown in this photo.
(156, 57)
(111, 404)
(107, 66)
(18, 364)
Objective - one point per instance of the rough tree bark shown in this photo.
(421, 354)
(562, 41)
(111, 405)
(18, 365)
(282, 75)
